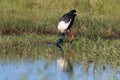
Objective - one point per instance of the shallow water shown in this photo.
(48, 70)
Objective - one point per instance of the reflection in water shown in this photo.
(44, 70)
(64, 65)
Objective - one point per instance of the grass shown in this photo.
(97, 27)
(84, 49)
(95, 17)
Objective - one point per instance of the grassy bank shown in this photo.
(95, 17)
(35, 46)
(97, 29)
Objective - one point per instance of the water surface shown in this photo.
(48, 70)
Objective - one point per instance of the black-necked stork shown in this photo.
(66, 22)
(64, 26)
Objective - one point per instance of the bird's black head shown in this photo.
(73, 11)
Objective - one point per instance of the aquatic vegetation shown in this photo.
(40, 46)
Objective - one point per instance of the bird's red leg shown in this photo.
(68, 34)
(70, 51)
(72, 36)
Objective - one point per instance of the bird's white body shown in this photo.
(62, 26)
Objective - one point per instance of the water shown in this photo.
(48, 70)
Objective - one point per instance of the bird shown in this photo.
(66, 23)
(64, 26)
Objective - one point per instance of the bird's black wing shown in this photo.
(66, 17)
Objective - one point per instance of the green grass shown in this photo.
(84, 49)
(95, 17)
(97, 27)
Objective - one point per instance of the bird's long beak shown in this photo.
(75, 13)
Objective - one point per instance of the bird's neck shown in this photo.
(59, 42)
(63, 36)
(61, 39)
